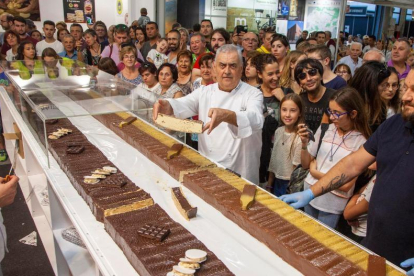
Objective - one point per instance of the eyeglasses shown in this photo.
(387, 86)
(311, 72)
(342, 72)
(250, 40)
(336, 115)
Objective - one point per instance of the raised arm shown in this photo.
(343, 172)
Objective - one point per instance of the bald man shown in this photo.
(249, 42)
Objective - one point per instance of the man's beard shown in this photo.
(408, 117)
(172, 48)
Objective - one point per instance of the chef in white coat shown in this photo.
(232, 112)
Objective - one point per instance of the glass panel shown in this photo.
(396, 16)
(409, 16)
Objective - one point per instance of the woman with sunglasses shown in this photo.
(370, 80)
(287, 81)
(148, 72)
(346, 134)
(280, 49)
(389, 94)
(91, 54)
(130, 73)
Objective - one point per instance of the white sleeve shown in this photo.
(152, 54)
(59, 47)
(313, 145)
(39, 49)
(187, 106)
(250, 120)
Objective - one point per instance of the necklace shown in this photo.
(284, 141)
(331, 155)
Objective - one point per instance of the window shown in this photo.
(396, 13)
(409, 16)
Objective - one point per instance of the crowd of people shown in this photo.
(272, 112)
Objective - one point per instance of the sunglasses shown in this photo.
(311, 72)
(121, 27)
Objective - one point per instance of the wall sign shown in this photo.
(79, 11)
(119, 6)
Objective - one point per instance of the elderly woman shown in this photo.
(130, 72)
(167, 76)
(184, 72)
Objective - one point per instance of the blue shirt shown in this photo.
(336, 83)
(64, 54)
(390, 230)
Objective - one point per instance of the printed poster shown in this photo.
(79, 11)
(219, 7)
(322, 15)
(28, 9)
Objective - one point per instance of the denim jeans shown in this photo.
(327, 218)
(280, 186)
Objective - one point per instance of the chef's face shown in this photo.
(228, 70)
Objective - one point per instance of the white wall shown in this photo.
(105, 10)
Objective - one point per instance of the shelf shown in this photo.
(78, 259)
(45, 233)
(38, 184)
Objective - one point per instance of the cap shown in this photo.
(365, 37)
(144, 11)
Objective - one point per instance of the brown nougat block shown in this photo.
(376, 266)
(174, 151)
(127, 121)
(182, 204)
(247, 197)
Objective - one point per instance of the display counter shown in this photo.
(40, 174)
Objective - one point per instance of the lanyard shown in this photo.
(331, 155)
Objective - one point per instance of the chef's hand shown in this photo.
(161, 106)
(409, 263)
(219, 115)
(298, 200)
(8, 191)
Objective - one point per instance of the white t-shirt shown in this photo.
(337, 147)
(361, 229)
(41, 45)
(10, 56)
(157, 57)
(282, 162)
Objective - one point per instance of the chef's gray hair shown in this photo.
(230, 48)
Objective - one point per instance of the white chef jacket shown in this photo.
(236, 148)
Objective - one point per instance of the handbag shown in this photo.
(297, 178)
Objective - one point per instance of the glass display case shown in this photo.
(46, 91)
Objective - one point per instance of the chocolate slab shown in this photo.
(376, 266)
(150, 257)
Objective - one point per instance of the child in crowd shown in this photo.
(346, 134)
(356, 211)
(287, 145)
(157, 56)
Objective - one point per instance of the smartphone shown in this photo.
(311, 135)
(241, 28)
(89, 20)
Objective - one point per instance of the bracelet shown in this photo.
(305, 148)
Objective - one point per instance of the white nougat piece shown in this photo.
(181, 125)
